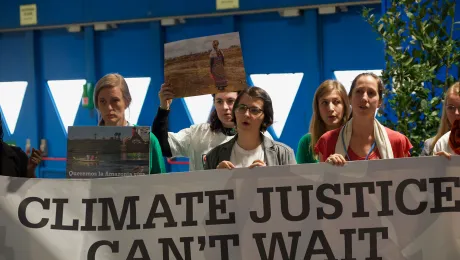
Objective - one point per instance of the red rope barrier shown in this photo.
(170, 161)
(54, 159)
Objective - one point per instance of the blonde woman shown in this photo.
(331, 108)
(449, 115)
(112, 98)
(449, 143)
(363, 137)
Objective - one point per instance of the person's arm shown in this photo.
(26, 167)
(160, 130)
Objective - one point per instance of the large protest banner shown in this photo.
(388, 209)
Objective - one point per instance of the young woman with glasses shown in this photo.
(252, 115)
(197, 140)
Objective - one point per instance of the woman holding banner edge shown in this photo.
(363, 137)
(330, 111)
(252, 115)
(112, 98)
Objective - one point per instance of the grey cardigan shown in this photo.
(426, 151)
(275, 153)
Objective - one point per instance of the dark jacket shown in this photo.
(13, 161)
(275, 153)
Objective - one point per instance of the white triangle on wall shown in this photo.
(67, 96)
(282, 89)
(11, 99)
(346, 77)
(138, 88)
(199, 108)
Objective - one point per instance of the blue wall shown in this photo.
(313, 44)
(58, 12)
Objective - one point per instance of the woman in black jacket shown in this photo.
(14, 161)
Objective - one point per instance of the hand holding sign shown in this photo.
(443, 153)
(257, 163)
(34, 161)
(166, 95)
(225, 165)
(336, 159)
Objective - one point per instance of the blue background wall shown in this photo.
(313, 44)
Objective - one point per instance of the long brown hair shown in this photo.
(214, 122)
(317, 125)
(445, 126)
(112, 80)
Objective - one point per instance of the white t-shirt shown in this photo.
(195, 142)
(244, 158)
(443, 145)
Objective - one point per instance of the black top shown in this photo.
(160, 130)
(13, 161)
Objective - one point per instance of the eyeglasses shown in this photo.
(452, 108)
(255, 111)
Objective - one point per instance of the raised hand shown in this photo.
(166, 95)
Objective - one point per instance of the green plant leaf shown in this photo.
(424, 104)
(410, 15)
(418, 47)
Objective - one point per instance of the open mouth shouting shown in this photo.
(363, 107)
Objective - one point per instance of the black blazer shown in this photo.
(13, 161)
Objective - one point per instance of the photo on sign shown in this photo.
(205, 65)
(109, 151)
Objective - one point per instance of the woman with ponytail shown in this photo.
(112, 98)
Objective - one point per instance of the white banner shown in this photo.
(401, 209)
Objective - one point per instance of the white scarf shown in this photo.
(380, 135)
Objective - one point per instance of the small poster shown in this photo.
(227, 4)
(205, 65)
(107, 151)
(28, 14)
